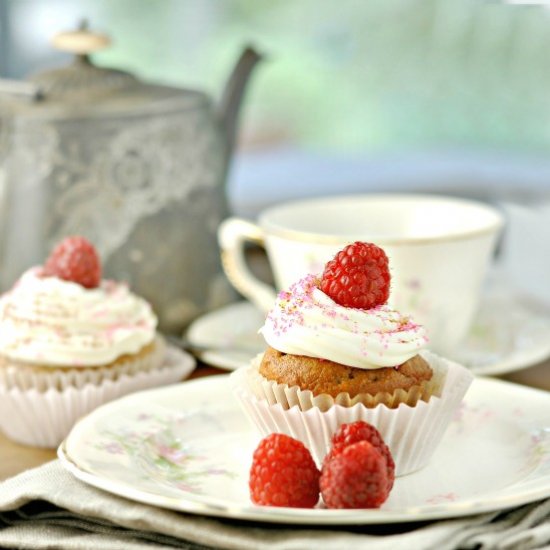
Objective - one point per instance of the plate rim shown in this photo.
(301, 516)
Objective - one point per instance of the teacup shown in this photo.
(439, 249)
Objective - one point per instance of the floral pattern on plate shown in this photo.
(156, 446)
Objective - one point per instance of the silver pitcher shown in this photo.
(137, 168)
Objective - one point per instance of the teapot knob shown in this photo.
(81, 42)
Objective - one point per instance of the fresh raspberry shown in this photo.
(283, 473)
(355, 478)
(74, 259)
(348, 434)
(358, 276)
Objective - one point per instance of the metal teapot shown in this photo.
(137, 168)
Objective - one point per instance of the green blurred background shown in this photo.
(350, 76)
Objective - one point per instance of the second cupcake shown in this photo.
(69, 341)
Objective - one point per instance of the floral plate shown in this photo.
(188, 447)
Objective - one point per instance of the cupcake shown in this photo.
(338, 353)
(69, 341)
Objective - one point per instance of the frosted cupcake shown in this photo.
(70, 340)
(337, 353)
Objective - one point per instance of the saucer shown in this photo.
(506, 335)
(188, 447)
(232, 334)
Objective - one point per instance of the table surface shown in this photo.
(15, 458)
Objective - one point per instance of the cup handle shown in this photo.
(233, 233)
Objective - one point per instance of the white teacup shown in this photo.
(439, 249)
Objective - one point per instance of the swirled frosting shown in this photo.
(50, 321)
(305, 321)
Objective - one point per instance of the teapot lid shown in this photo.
(83, 85)
(81, 80)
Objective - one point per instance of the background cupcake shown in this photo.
(339, 354)
(70, 341)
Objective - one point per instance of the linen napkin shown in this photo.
(48, 508)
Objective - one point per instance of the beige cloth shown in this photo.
(48, 508)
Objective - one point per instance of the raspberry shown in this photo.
(283, 473)
(358, 276)
(347, 434)
(74, 259)
(355, 478)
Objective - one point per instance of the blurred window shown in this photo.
(347, 76)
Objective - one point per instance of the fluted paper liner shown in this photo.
(288, 397)
(411, 432)
(45, 378)
(44, 418)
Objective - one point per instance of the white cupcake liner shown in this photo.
(411, 432)
(42, 379)
(44, 419)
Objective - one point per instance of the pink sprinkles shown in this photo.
(294, 302)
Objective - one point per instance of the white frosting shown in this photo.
(50, 321)
(305, 321)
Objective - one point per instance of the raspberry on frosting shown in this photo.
(358, 276)
(74, 259)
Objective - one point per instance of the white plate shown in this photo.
(188, 447)
(507, 335)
